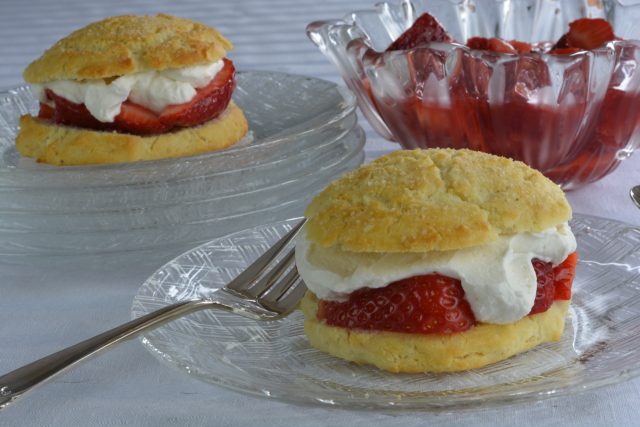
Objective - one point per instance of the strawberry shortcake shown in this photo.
(436, 260)
(131, 88)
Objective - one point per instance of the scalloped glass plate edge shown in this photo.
(611, 236)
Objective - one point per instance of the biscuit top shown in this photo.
(126, 45)
(436, 199)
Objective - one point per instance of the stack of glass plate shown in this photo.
(303, 134)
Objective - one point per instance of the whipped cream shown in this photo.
(498, 278)
(153, 89)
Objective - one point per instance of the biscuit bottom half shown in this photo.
(400, 352)
(59, 145)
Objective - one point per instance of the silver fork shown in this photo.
(268, 289)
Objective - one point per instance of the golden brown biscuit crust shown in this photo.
(128, 44)
(436, 199)
(65, 145)
(398, 352)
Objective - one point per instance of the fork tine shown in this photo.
(248, 278)
(273, 293)
(289, 301)
(270, 278)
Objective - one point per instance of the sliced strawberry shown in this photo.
(586, 34)
(136, 119)
(546, 289)
(554, 283)
(429, 304)
(133, 118)
(479, 43)
(564, 274)
(46, 112)
(434, 304)
(425, 30)
(562, 42)
(208, 103)
(493, 44)
(72, 114)
(521, 47)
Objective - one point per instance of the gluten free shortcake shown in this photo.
(436, 260)
(132, 88)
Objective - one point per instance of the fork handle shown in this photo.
(15, 383)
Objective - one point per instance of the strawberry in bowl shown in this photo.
(563, 99)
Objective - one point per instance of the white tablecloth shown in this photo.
(44, 307)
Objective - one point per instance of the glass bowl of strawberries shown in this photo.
(555, 84)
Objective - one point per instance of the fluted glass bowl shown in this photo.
(573, 117)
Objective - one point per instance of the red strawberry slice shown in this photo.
(546, 290)
(428, 304)
(133, 118)
(138, 120)
(554, 283)
(425, 30)
(208, 103)
(586, 34)
(493, 44)
(72, 114)
(521, 47)
(562, 42)
(564, 274)
(46, 112)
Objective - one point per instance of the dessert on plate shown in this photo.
(132, 88)
(436, 260)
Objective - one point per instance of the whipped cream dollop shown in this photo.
(498, 278)
(153, 89)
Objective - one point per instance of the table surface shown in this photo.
(44, 307)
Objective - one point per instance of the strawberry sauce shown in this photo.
(434, 304)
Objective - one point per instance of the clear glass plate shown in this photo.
(273, 359)
(181, 224)
(316, 170)
(303, 154)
